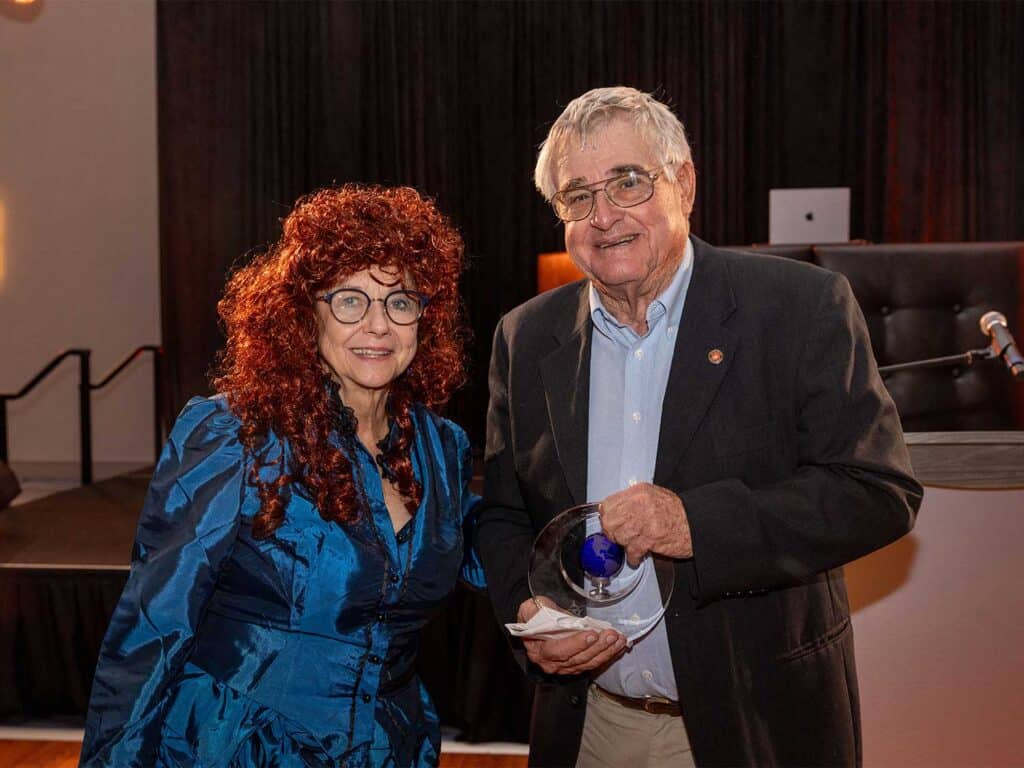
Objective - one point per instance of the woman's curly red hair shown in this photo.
(270, 366)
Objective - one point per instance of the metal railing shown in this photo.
(85, 390)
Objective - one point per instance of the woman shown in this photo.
(301, 527)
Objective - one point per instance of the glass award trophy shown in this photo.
(584, 573)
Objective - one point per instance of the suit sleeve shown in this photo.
(504, 533)
(852, 492)
(186, 531)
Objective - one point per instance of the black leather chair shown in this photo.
(924, 300)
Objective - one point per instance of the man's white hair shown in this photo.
(589, 113)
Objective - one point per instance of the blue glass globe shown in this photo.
(600, 557)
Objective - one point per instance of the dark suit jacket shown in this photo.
(790, 461)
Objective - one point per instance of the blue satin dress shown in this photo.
(294, 650)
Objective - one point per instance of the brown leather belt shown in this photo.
(654, 705)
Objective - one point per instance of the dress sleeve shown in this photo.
(186, 531)
(472, 570)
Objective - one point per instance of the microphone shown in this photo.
(993, 324)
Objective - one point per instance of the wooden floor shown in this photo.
(64, 754)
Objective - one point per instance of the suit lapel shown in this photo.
(565, 373)
(694, 378)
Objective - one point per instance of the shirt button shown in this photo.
(636, 417)
(632, 481)
(366, 698)
(394, 578)
(374, 659)
(382, 617)
(639, 354)
(671, 329)
(647, 675)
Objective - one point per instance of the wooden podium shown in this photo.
(975, 460)
(939, 615)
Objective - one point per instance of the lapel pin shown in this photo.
(715, 356)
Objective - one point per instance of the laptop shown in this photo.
(814, 215)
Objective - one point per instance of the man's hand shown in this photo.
(572, 654)
(647, 518)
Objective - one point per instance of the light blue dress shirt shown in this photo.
(628, 376)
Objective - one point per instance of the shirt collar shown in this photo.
(668, 303)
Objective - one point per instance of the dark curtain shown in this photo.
(914, 105)
(52, 624)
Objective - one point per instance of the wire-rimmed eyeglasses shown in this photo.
(350, 305)
(624, 190)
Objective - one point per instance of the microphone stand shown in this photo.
(966, 358)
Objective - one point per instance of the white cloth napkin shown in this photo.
(548, 623)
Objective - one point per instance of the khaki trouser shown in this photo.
(615, 736)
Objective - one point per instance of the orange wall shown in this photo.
(555, 269)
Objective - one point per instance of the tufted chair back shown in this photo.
(925, 300)
(797, 251)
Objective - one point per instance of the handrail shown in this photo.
(84, 407)
(158, 401)
(46, 370)
(85, 388)
(124, 363)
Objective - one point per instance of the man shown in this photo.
(726, 411)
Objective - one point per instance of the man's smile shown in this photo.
(624, 240)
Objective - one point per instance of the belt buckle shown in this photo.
(652, 704)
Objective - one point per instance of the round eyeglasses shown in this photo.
(350, 305)
(624, 191)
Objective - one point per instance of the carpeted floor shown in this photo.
(90, 527)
